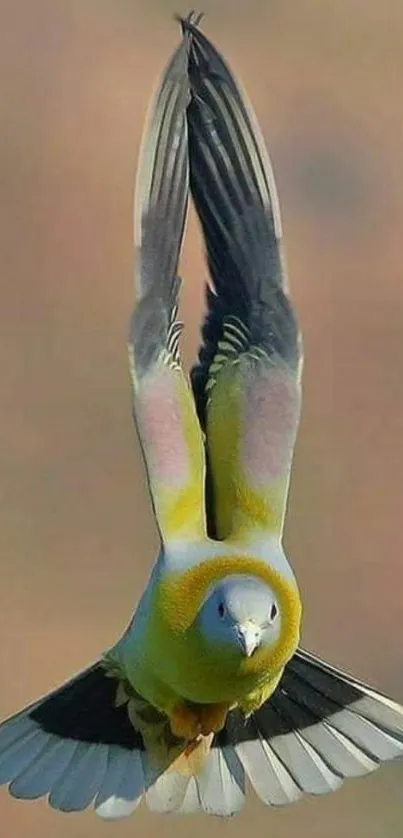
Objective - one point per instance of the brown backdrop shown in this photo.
(76, 533)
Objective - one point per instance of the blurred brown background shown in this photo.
(76, 534)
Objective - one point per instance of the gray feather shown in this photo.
(234, 192)
(161, 205)
(319, 727)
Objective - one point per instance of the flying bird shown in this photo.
(208, 685)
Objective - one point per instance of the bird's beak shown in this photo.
(248, 636)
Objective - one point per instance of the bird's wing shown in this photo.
(163, 405)
(320, 727)
(247, 378)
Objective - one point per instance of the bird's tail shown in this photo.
(95, 741)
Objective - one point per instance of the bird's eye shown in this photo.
(273, 612)
(221, 610)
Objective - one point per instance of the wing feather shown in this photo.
(319, 727)
(247, 378)
(163, 405)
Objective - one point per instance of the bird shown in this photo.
(208, 687)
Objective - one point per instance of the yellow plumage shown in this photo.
(171, 663)
(207, 685)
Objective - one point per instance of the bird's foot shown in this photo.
(189, 722)
(213, 718)
(185, 722)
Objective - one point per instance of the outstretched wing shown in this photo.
(163, 405)
(247, 379)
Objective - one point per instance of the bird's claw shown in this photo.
(189, 723)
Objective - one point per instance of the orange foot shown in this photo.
(185, 722)
(190, 722)
(213, 718)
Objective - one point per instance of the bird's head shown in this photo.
(241, 613)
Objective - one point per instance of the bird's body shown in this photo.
(164, 653)
(208, 684)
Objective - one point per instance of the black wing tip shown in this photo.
(205, 60)
(189, 23)
(162, 182)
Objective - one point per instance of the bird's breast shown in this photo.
(207, 675)
(174, 653)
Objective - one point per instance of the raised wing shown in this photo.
(163, 405)
(247, 379)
